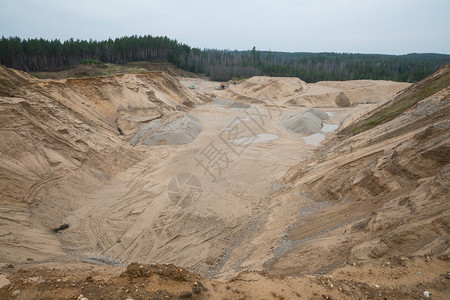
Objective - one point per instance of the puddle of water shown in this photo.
(220, 107)
(314, 139)
(259, 138)
(330, 113)
(225, 129)
(329, 128)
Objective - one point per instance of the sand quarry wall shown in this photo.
(61, 137)
(387, 189)
(273, 88)
(328, 93)
(124, 101)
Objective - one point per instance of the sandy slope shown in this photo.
(264, 199)
(60, 140)
(397, 278)
(359, 91)
(387, 189)
(273, 88)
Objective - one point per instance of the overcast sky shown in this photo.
(356, 26)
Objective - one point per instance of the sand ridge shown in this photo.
(274, 88)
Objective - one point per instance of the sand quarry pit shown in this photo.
(222, 189)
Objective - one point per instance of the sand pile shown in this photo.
(305, 122)
(328, 93)
(342, 100)
(272, 88)
(230, 103)
(177, 129)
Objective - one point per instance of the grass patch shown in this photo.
(89, 69)
(91, 62)
(407, 99)
(37, 75)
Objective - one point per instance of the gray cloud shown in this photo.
(364, 26)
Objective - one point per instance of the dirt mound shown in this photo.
(306, 122)
(176, 129)
(272, 88)
(393, 278)
(342, 100)
(376, 194)
(171, 271)
(324, 93)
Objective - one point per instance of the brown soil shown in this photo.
(392, 278)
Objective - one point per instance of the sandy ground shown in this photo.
(400, 278)
(245, 195)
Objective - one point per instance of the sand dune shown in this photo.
(277, 88)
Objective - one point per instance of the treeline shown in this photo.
(53, 55)
(34, 55)
(314, 67)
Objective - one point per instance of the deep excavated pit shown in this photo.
(250, 164)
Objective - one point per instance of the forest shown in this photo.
(33, 55)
